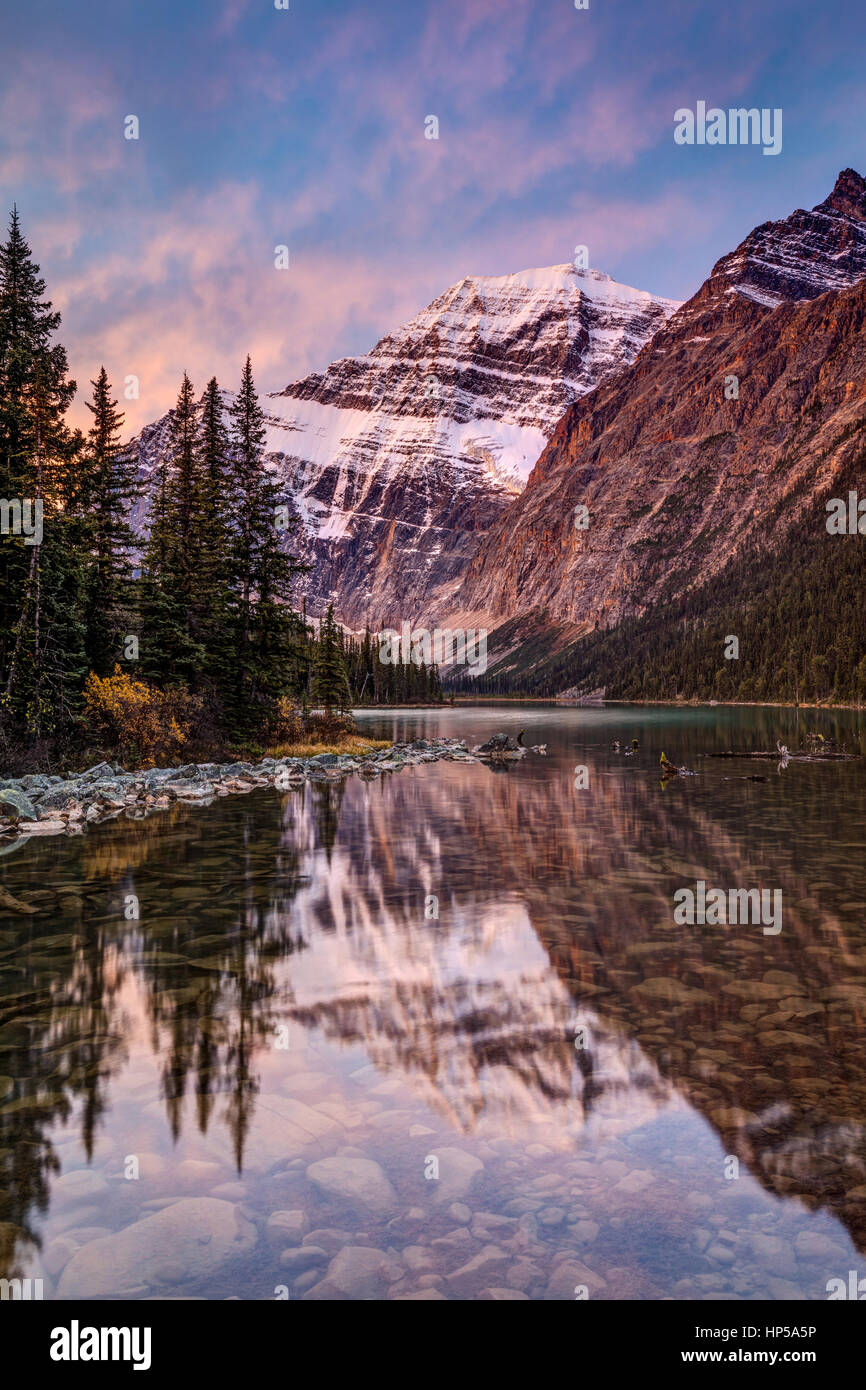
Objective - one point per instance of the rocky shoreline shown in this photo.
(39, 804)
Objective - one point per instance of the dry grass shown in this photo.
(350, 744)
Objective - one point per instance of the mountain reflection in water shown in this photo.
(282, 997)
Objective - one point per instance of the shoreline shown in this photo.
(668, 704)
(42, 804)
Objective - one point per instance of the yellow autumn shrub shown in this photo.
(137, 721)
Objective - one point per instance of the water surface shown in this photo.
(549, 1088)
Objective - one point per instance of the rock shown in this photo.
(329, 1238)
(785, 1291)
(499, 746)
(502, 1296)
(423, 1295)
(632, 1183)
(571, 1274)
(190, 1240)
(813, 1245)
(286, 1227)
(79, 1185)
(487, 1225)
(460, 1213)
(196, 1172)
(43, 827)
(524, 1273)
(230, 1191)
(585, 1231)
(34, 782)
(301, 1257)
(773, 1253)
(59, 1253)
(551, 1216)
(457, 1172)
(417, 1258)
(489, 1260)
(356, 1180)
(18, 806)
(358, 1271)
(668, 990)
(59, 798)
(454, 1240)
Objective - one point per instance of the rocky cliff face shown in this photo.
(741, 409)
(399, 461)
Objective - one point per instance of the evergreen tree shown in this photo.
(107, 489)
(330, 685)
(170, 653)
(269, 637)
(41, 575)
(214, 598)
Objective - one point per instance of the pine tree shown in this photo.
(41, 584)
(170, 653)
(214, 601)
(330, 686)
(108, 486)
(268, 637)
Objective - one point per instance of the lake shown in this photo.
(440, 1035)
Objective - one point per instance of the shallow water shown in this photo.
(551, 1088)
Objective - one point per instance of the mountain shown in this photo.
(399, 461)
(746, 407)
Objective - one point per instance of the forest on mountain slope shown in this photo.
(796, 604)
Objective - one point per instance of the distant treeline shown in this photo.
(373, 682)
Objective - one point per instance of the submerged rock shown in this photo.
(358, 1271)
(189, 1240)
(356, 1180)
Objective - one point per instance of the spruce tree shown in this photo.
(214, 599)
(108, 487)
(268, 636)
(170, 653)
(41, 576)
(330, 686)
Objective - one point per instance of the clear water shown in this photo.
(615, 1105)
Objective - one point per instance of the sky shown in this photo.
(305, 128)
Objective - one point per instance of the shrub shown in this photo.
(137, 721)
(291, 726)
(328, 728)
(289, 723)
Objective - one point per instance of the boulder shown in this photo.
(358, 1271)
(359, 1181)
(190, 1240)
(17, 805)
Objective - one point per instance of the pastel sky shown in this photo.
(305, 127)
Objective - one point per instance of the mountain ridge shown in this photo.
(671, 468)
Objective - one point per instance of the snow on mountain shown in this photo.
(398, 461)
